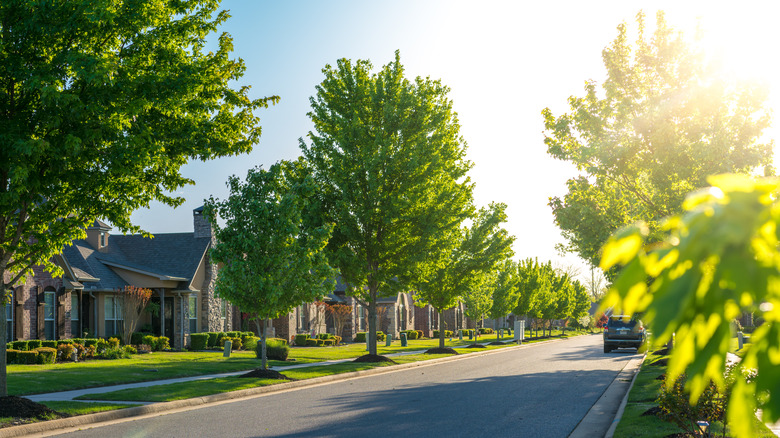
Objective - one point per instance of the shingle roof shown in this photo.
(166, 255)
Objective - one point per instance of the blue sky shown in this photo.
(503, 60)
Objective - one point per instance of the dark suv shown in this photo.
(623, 331)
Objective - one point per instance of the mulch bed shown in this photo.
(21, 408)
(655, 410)
(266, 374)
(496, 343)
(444, 350)
(660, 363)
(475, 346)
(373, 358)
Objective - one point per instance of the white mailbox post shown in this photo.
(520, 331)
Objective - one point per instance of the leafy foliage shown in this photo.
(663, 121)
(718, 259)
(473, 255)
(101, 103)
(273, 260)
(390, 163)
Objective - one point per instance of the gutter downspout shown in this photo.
(162, 312)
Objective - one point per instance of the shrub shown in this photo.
(27, 357)
(312, 342)
(338, 339)
(711, 406)
(64, 341)
(101, 345)
(11, 356)
(161, 343)
(198, 341)
(19, 345)
(114, 353)
(137, 338)
(77, 341)
(46, 355)
(32, 344)
(90, 351)
(326, 336)
(233, 334)
(328, 342)
(65, 352)
(251, 342)
(221, 335)
(113, 342)
(486, 331)
(419, 334)
(212, 342)
(90, 343)
(237, 344)
(129, 349)
(380, 336)
(447, 333)
(360, 337)
(275, 349)
(148, 340)
(300, 340)
(245, 337)
(410, 334)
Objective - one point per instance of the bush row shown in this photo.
(322, 340)
(413, 334)
(275, 349)
(216, 340)
(447, 333)
(361, 336)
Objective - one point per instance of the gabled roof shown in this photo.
(173, 257)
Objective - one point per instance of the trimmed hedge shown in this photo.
(199, 341)
(275, 349)
(312, 342)
(251, 342)
(361, 336)
(447, 333)
(212, 342)
(412, 334)
(46, 355)
(18, 346)
(301, 340)
(32, 344)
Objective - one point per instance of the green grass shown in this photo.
(37, 379)
(642, 397)
(70, 408)
(200, 388)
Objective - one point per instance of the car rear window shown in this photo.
(622, 322)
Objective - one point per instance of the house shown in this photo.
(83, 301)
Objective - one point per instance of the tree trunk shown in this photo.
(261, 328)
(3, 337)
(441, 329)
(372, 323)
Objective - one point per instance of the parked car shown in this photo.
(623, 331)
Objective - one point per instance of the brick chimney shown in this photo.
(201, 224)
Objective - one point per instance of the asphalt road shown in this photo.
(539, 390)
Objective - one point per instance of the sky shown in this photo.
(504, 61)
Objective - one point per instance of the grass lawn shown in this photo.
(70, 408)
(36, 379)
(200, 388)
(642, 397)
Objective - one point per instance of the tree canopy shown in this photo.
(716, 260)
(663, 120)
(101, 103)
(473, 253)
(390, 163)
(272, 259)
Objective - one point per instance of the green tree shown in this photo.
(506, 292)
(476, 251)
(390, 163)
(663, 121)
(273, 261)
(101, 103)
(478, 299)
(715, 262)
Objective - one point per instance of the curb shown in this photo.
(623, 402)
(156, 408)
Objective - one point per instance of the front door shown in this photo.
(167, 315)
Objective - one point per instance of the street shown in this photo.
(539, 390)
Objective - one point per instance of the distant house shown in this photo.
(175, 266)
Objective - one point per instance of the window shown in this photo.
(102, 239)
(193, 313)
(48, 314)
(361, 318)
(301, 325)
(9, 319)
(401, 317)
(75, 327)
(113, 316)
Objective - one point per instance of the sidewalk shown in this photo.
(71, 395)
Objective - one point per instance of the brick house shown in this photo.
(175, 266)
